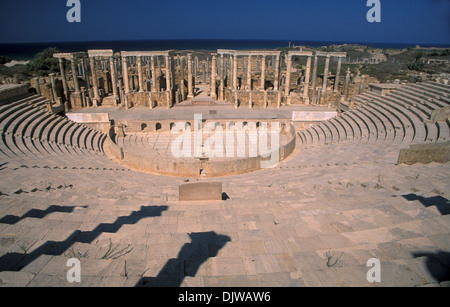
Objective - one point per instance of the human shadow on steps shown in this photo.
(437, 264)
(192, 255)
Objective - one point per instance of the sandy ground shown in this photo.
(14, 63)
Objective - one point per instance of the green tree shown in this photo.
(5, 59)
(417, 64)
(44, 63)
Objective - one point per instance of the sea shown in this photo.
(26, 51)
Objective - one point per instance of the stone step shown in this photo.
(399, 113)
(415, 119)
(12, 114)
(416, 96)
(436, 87)
(17, 105)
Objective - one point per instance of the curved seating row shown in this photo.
(29, 133)
(400, 118)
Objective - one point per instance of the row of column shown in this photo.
(314, 75)
(190, 80)
(249, 72)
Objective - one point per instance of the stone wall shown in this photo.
(152, 162)
(12, 92)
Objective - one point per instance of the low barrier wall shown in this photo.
(153, 162)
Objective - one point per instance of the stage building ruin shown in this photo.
(242, 78)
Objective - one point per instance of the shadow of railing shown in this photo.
(17, 261)
(192, 255)
(37, 213)
(441, 203)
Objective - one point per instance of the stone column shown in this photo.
(140, 76)
(361, 85)
(182, 89)
(222, 70)
(112, 68)
(75, 77)
(196, 67)
(234, 72)
(150, 100)
(125, 81)
(37, 86)
(52, 80)
(84, 102)
(168, 83)
(152, 64)
(94, 82)
(105, 80)
(249, 73)
(204, 72)
(338, 75)
(314, 74)
(89, 98)
(213, 77)
(288, 76)
(325, 74)
(66, 88)
(279, 99)
(347, 83)
(190, 80)
(277, 73)
(158, 62)
(306, 85)
(263, 73)
(207, 68)
(265, 99)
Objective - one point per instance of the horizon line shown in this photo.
(413, 44)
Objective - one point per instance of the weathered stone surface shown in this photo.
(442, 114)
(312, 115)
(200, 191)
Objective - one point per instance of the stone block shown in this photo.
(425, 153)
(200, 191)
(441, 114)
(312, 115)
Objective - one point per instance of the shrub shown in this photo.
(4, 59)
(44, 63)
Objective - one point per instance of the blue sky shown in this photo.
(402, 21)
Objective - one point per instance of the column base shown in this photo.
(306, 100)
(76, 100)
(169, 100)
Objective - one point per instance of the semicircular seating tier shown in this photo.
(31, 135)
(400, 118)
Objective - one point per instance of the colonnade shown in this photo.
(167, 77)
